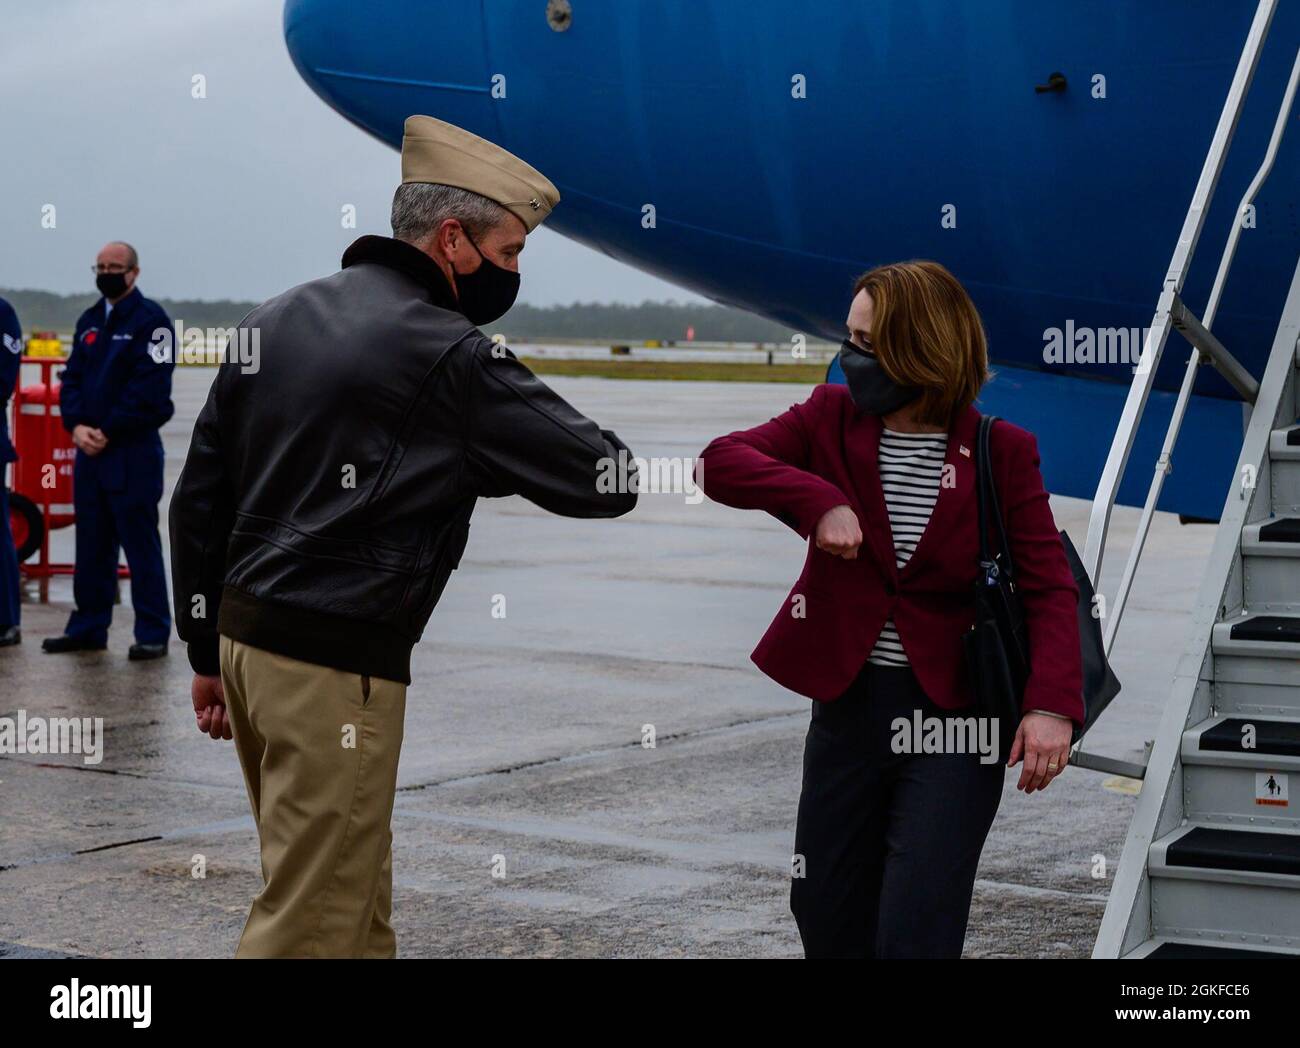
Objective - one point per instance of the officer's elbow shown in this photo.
(617, 480)
(601, 506)
(620, 504)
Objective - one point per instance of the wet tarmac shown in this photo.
(524, 745)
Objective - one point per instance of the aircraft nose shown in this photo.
(379, 62)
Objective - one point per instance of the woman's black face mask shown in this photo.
(488, 292)
(872, 390)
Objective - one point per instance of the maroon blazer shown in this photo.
(821, 454)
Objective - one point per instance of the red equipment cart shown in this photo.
(41, 497)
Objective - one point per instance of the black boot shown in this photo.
(59, 645)
(9, 636)
(144, 652)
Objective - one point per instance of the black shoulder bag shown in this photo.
(997, 645)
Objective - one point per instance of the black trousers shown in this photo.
(889, 842)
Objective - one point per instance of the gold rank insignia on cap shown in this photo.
(436, 151)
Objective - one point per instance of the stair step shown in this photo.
(1264, 636)
(1181, 950)
(1248, 851)
(1284, 444)
(1284, 471)
(1245, 685)
(1270, 554)
(1271, 737)
(1278, 530)
(1236, 788)
(1210, 884)
(1282, 628)
(1284, 478)
(1226, 785)
(1225, 795)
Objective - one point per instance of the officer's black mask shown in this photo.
(488, 292)
(111, 285)
(871, 389)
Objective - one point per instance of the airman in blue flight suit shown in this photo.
(11, 351)
(116, 395)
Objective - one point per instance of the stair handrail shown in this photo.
(1172, 312)
(1204, 347)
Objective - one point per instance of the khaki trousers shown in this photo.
(319, 749)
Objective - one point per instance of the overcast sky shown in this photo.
(236, 195)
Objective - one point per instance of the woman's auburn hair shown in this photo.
(927, 333)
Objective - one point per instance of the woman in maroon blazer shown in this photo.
(879, 477)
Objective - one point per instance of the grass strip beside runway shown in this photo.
(692, 371)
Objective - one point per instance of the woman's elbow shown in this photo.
(712, 464)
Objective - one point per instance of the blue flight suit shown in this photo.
(11, 351)
(113, 382)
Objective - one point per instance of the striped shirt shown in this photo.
(911, 466)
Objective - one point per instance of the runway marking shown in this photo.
(126, 773)
(222, 826)
(117, 844)
(738, 727)
(454, 780)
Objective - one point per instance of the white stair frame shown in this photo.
(1128, 927)
(1127, 923)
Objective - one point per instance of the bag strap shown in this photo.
(987, 495)
(981, 496)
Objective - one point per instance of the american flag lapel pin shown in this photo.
(964, 450)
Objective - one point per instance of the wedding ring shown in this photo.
(1052, 767)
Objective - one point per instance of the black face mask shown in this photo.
(486, 293)
(111, 285)
(872, 390)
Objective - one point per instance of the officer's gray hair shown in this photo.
(419, 208)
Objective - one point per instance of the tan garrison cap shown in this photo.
(435, 151)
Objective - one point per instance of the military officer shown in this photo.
(116, 395)
(325, 502)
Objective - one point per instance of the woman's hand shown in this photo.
(839, 533)
(1044, 742)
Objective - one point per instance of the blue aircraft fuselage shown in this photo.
(764, 154)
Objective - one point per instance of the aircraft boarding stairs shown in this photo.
(1218, 859)
(1211, 864)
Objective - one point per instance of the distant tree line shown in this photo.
(665, 321)
(46, 311)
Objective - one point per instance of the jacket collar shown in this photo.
(405, 258)
(862, 445)
(122, 309)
